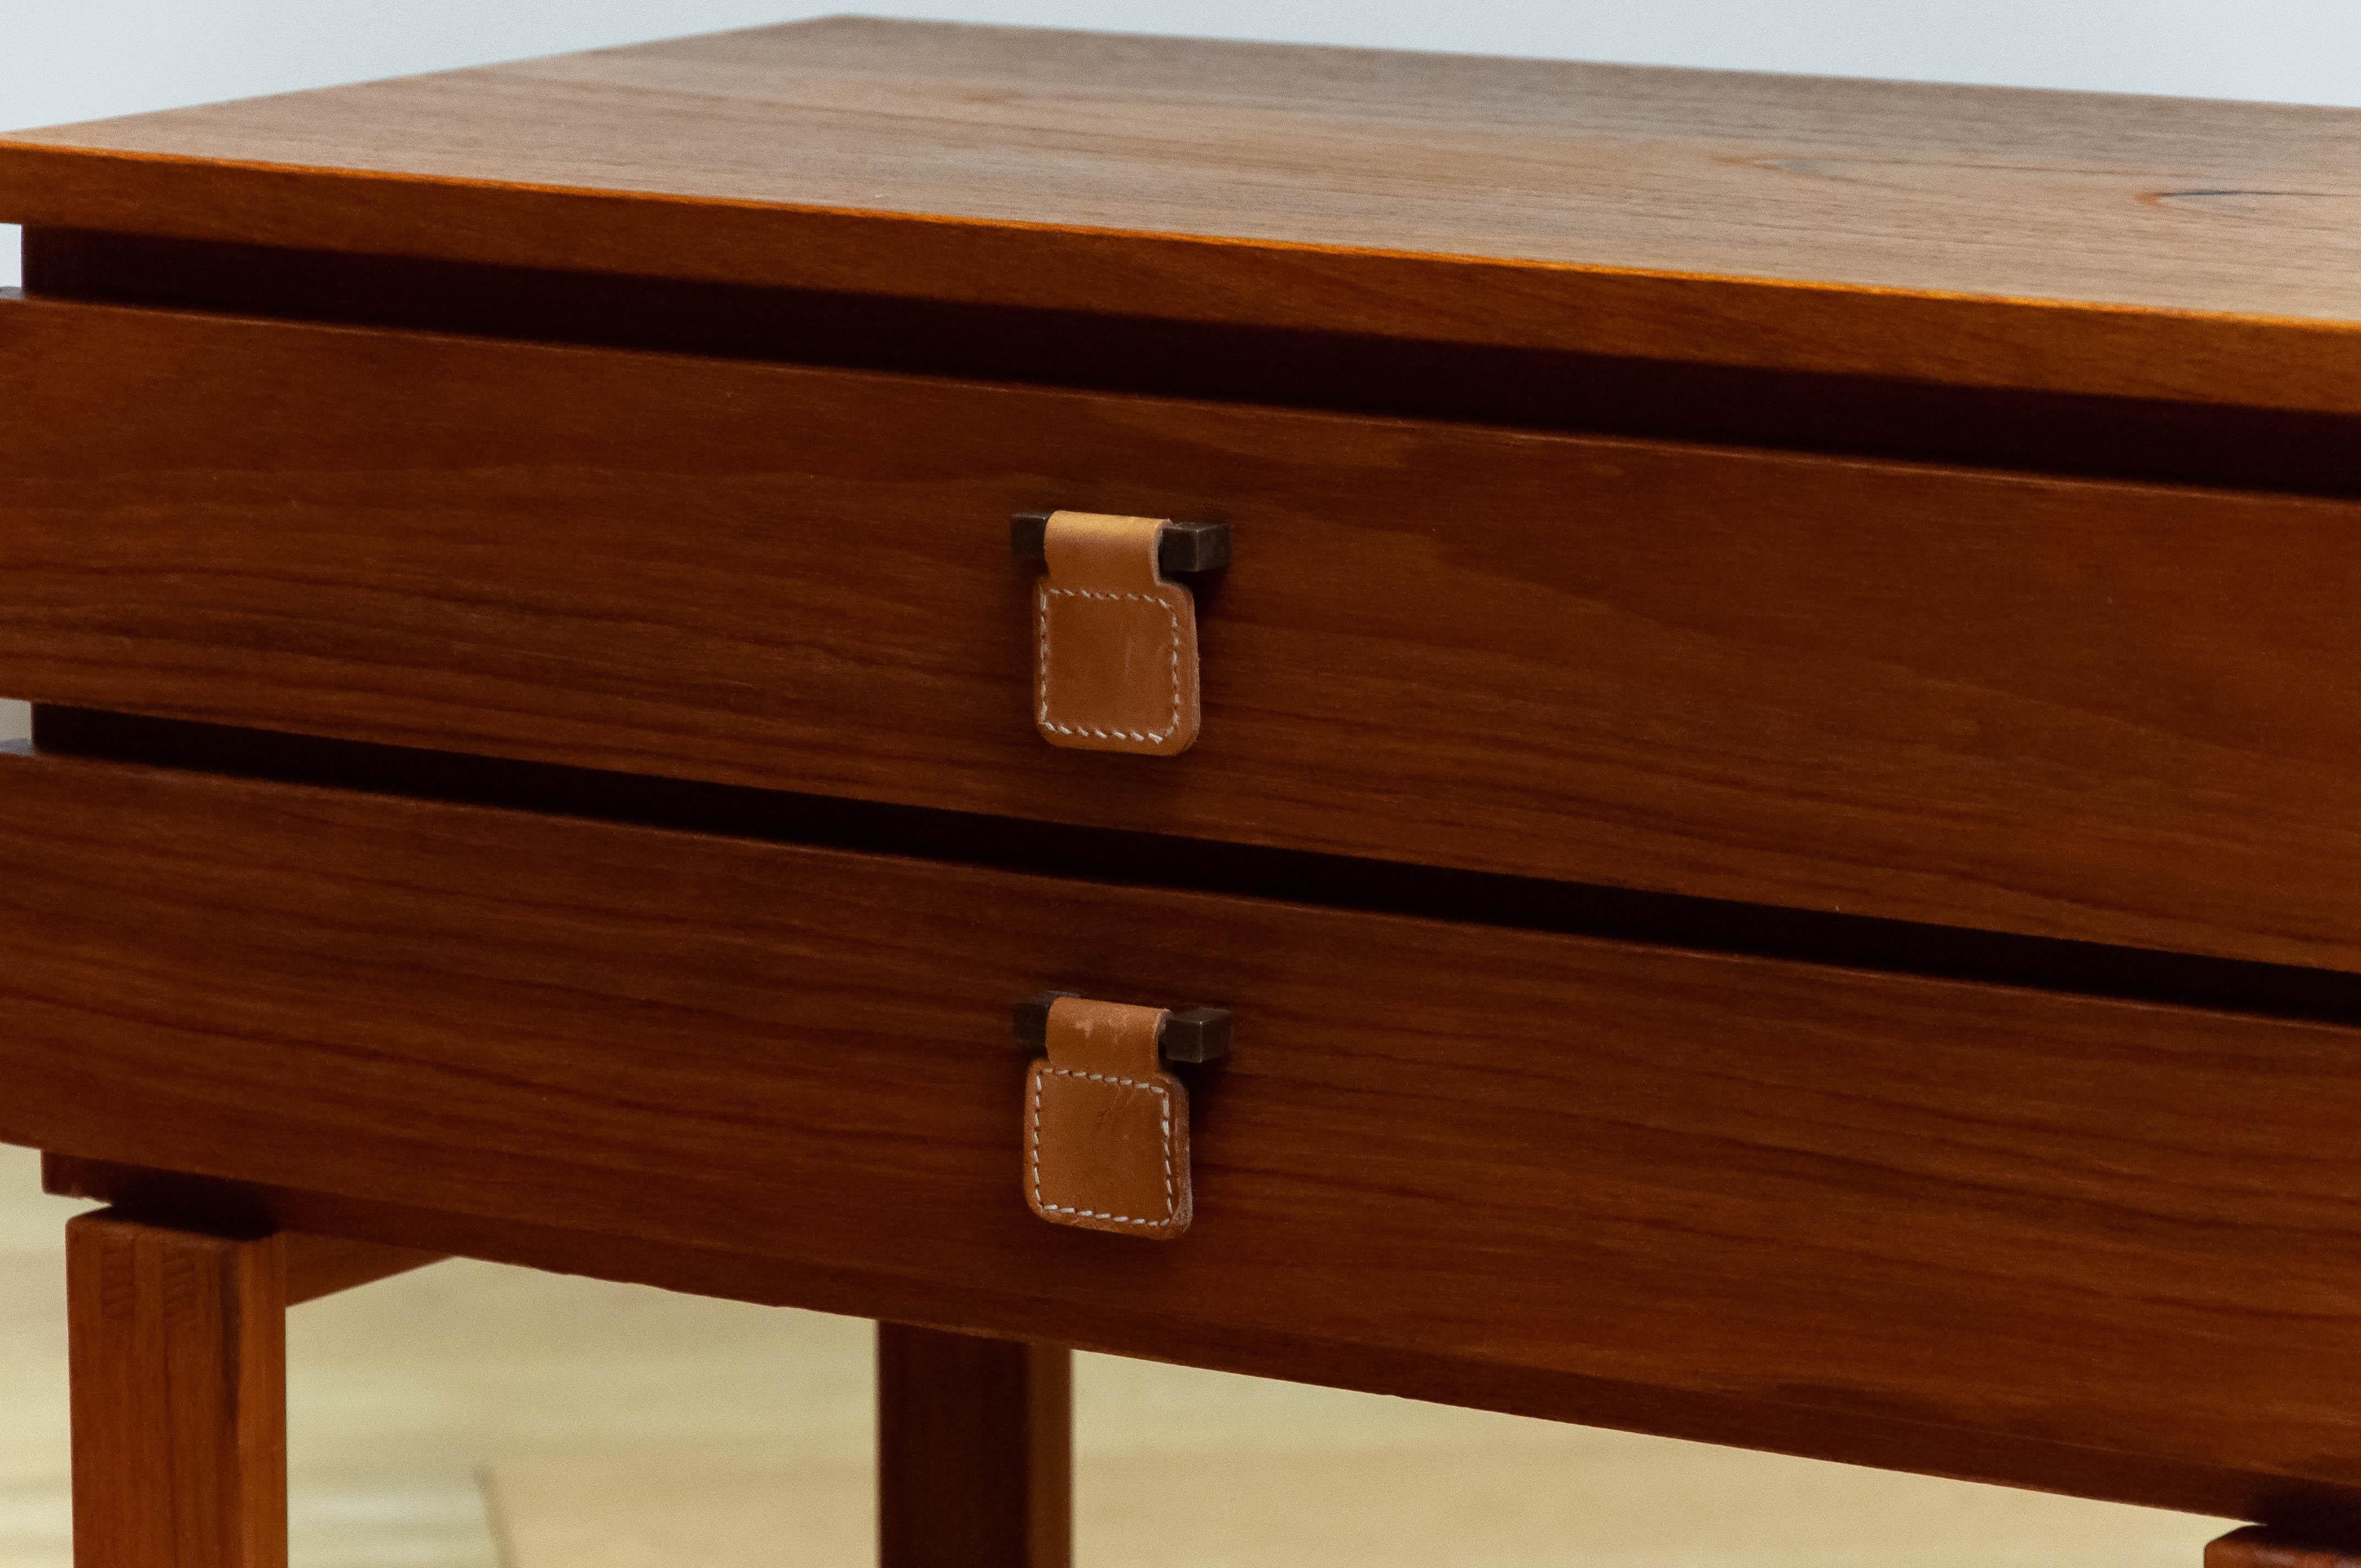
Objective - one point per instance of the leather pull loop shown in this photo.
(1106, 1128)
(1114, 644)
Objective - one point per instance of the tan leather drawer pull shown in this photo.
(1114, 642)
(1106, 1127)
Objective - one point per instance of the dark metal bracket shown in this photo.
(1189, 1036)
(1180, 546)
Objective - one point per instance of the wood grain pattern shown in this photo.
(974, 1451)
(178, 1344)
(2074, 243)
(1974, 1231)
(2119, 713)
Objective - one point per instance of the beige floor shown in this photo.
(474, 1417)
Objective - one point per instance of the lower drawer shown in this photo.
(2094, 1245)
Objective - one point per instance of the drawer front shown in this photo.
(2115, 713)
(2094, 1245)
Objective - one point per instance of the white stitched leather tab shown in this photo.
(1075, 1084)
(1114, 655)
(1106, 1128)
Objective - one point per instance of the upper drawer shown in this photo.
(2114, 712)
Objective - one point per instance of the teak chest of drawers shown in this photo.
(1739, 814)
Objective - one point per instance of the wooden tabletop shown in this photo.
(2070, 242)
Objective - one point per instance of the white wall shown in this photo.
(63, 62)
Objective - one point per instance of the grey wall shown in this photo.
(61, 63)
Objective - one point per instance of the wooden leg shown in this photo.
(179, 1358)
(974, 1451)
(2255, 1547)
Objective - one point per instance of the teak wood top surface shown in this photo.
(2070, 242)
